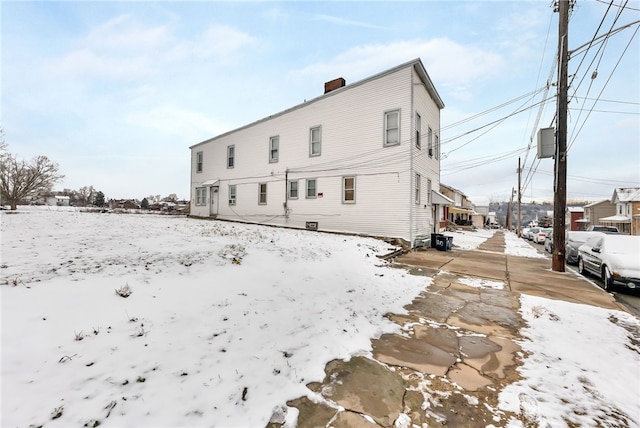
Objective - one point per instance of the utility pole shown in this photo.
(560, 182)
(519, 199)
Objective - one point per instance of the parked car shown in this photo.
(524, 232)
(573, 241)
(613, 258)
(606, 229)
(541, 234)
(532, 232)
(548, 243)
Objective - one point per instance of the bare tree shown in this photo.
(20, 180)
(85, 195)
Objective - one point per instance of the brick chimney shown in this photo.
(334, 84)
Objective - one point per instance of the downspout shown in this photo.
(286, 193)
(411, 171)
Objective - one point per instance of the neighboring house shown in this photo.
(461, 211)
(481, 208)
(595, 211)
(362, 158)
(573, 218)
(127, 204)
(627, 211)
(61, 201)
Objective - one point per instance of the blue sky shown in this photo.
(116, 92)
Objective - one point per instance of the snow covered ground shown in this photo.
(226, 322)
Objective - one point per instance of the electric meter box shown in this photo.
(546, 143)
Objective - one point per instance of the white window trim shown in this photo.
(306, 188)
(385, 128)
(430, 141)
(418, 130)
(233, 195)
(260, 193)
(231, 148)
(201, 196)
(199, 162)
(417, 189)
(429, 191)
(436, 139)
(319, 142)
(275, 139)
(344, 189)
(297, 189)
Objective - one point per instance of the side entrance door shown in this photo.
(213, 197)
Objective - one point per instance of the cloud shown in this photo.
(220, 41)
(172, 121)
(342, 21)
(124, 48)
(449, 63)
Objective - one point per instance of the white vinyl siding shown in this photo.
(352, 122)
(231, 156)
(312, 188)
(315, 141)
(201, 196)
(262, 193)
(349, 190)
(392, 128)
(293, 189)
(232, 194)
(274, 147)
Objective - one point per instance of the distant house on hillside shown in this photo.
(362, 158)
(627, 211)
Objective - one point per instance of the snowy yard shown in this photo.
(226, 322)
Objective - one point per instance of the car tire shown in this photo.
(607, 278)
(581, 266)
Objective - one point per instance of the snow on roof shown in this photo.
(575, 209)
(593, 204)
(626, 194)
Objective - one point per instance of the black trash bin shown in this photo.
(441, 242)
(434, 238)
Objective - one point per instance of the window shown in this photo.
(349, 190)
(201, 195)
(199, 162)
(417, 195)
(293, 189)
(428, 190)
(274, 145)
(231, 156)
(392, 128)
(312, 188)
(418, 128)
(262, 193)
(437, 144)
(232, 194)
(430, 141)
(315, 139)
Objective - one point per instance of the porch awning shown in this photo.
(617, 219)
(440, 199)
(210, 183)
(459, 210)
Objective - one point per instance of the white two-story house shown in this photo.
(362, 158)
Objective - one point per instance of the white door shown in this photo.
(213, 197)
